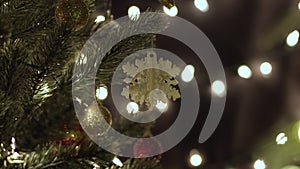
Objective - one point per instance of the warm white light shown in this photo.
(102, 93)
(202, 5)
(196, 160)
(293, 38)
(259, 164)
(161, 106)
(281, 138)
(117, 161)
(187, 74)
(299, 5)
(132, 108)
(134, 13)
(218, 88)
(245, 72)
(100, 18)
(171, 12)
(266, 68)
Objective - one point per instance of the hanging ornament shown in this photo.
(73, 14)
(94, 118)
(167, 3)
(151, 81)
(147, 147)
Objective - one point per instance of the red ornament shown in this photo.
(146, 147)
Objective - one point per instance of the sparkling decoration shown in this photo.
(147, 147)
(94, 117)
(73, 14)
(167, 3)
(152, 81)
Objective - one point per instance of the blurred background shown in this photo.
(257, 42)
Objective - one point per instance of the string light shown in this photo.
(281, 138)
(195, 158)
(187, 74)
(202, 5)
(117, 161)
(218, 88)
(244, 72)
(299, 5)
(100, 18)
(171, 12)
(259, 164)
(102, 93)
(161, 106)
(266, 68)
(134, 13)
(293, 38)
(132, 108)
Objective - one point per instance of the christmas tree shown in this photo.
(40, 41)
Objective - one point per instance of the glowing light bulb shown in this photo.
(245, 72)
(117, 161)
(134, 13)
(161, 106)
(259, 164)
(195, 158)
(293, 38)
(100, 18)
(299, 5)
(187, 74)
(218, 88)
(102, 93)
(171, 12)
(266, 68)
(132, 108)
(202, 5)
(281, 138)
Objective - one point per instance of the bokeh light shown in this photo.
(259, 164)
(202, 5)
(132, 108)
(134, 13)
(102, 93)
(245, 72)
(293, 38)
(281, 138)
(266, 68)
(218, 88)
(171, 12)
(187, 74)
(100, 18)
(195, 158)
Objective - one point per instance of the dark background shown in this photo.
(243, 32)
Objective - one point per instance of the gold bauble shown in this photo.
(94, 118)
(73, 14)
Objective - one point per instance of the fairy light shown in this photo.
(117, 161)
(293, 38)
(187, 74)
(281, 138)
(100, 18)
(195, 158)
(266, 68)
(171, 12)
(218, 88)
(244, 72)
(102, 93)
(132, 108)
(13, 144)
(202, 5)
(161, 106)
(299, 131)
(259, 164)
(134, 13)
